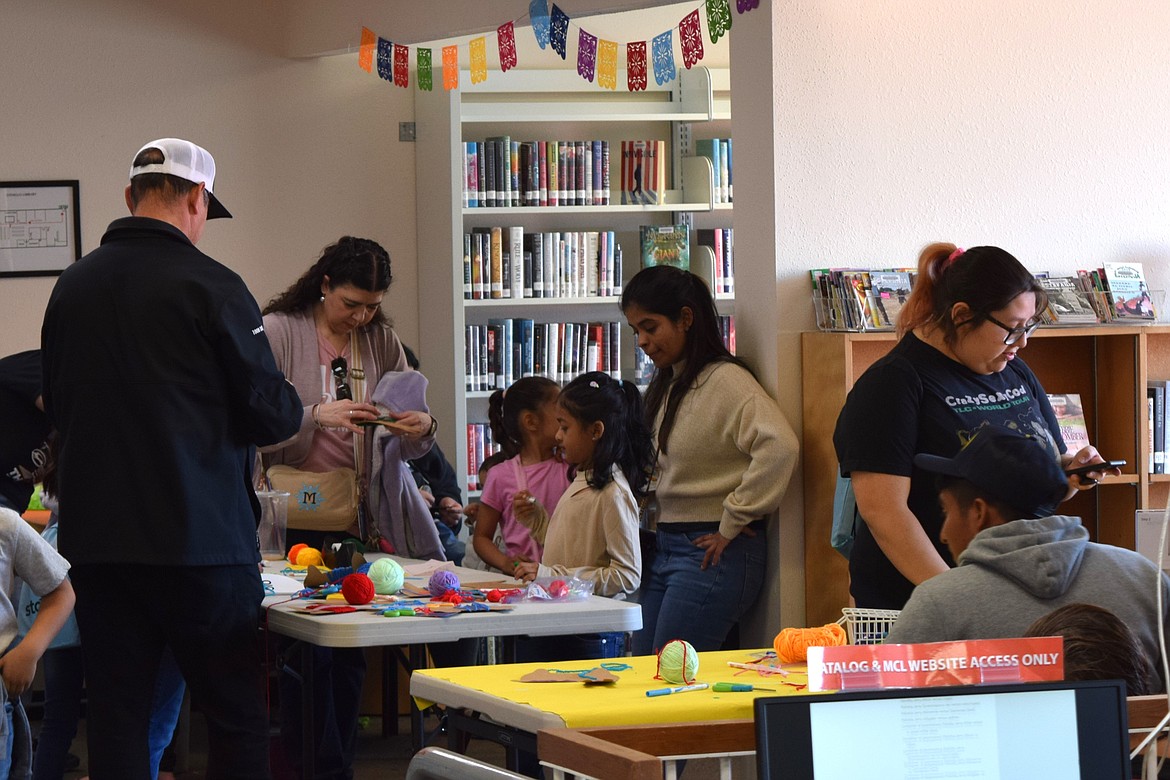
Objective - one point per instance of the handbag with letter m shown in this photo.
(327, 500)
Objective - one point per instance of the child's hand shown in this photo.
(526, 570)
(471, 511)
(18, 667)
(515, 563)
(531, 514)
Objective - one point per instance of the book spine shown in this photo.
(542, 175)
(529, 252)
(516, 251)
(472, 467)
(605, 173)
(533, 173)
(617, 269)
(478, 267)
(480, 175)
(496, 274)
(467, 266)
(538, 265)
(614, 345)
(598, 178)
(585, 152)
(554, 174)
(466, 173)
(724, 170)
(514, 166)
(490, 156)
(468, 368)
(730, 175)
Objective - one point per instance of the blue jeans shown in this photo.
(6, 756)
(681, 601)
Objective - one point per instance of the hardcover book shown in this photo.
(890, 291)
(666, 245)
(1070, 415)
(1127, 288)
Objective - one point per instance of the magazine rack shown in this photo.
(844, 315)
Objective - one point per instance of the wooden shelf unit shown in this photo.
(1108, 365)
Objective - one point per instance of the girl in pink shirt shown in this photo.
(524, 424)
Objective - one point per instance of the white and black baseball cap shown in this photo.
(186, 161)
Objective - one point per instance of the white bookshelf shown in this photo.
(548, 105)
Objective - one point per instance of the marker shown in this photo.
(677, 689)
(758, 668)
(724, 687)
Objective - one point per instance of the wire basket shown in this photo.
(867, 626)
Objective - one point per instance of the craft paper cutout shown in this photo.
(690, 36)
(597, 675)
(425, 78)
(743, 6)
(477, 48)
(662, 51)
(538, 14)
(401, 66)
(586, 55)
(426, 568)
(385, 59)
(450, 67)
(636, 66)
(606, 64)
(718, 18)
(366, 50)
(506, 38)
(559, 31)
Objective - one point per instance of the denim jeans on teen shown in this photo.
(682, 601)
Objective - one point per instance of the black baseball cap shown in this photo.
(1012, 467)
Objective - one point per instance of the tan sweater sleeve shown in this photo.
(763, 433)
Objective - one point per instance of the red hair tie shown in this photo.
(952, 257)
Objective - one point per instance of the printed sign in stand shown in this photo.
(971, 662)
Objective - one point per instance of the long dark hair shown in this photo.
(666, 290)
(356, 261)
(597, 397)
(986, 278)
(506, 406)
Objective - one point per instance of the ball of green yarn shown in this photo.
(386, 575)
(678, 663)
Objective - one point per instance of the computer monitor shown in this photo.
(1070, 729)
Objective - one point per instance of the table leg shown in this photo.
(308, 743)
(509, 649)
(418, 660)
(389, 694)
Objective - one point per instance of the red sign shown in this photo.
(970, 662)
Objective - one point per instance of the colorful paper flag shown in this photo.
(586, 55)
(636, 66)
(401, 66)
(366, 50)
(690, 37)
(506, 37)
(451, 67)
(559, 31)
(743, 6)
(385, 59)
(662, 51)
(477, 51)
(606, 64)
(538, 14)
(718, 18)
(425, 78)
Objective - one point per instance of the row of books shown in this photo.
(500, 172)
(504, 350)
(506, 262)
(871, 299)
(1115, 291)
(860, 299)
(722, 245)
(480, 446)
(644, 367)
(643, 170)
(718, 151)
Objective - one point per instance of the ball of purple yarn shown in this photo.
(443, 581)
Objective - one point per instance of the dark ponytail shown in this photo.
(506, 406)
(597, 397)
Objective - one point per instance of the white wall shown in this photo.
(307, 149)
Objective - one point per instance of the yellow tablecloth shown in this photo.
(625, 702)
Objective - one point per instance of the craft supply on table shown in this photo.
(442, 581)
(309, 556)
(765, 668)
(294, 551)
(676, 689)
(678, 662)
(792, 644)
(726, 687)
(387, 576)
(357, 589)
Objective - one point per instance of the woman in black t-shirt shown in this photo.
(955, 369)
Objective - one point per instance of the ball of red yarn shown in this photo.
(357, 589)
(558, 589)
(494, 595)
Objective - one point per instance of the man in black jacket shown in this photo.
(161, 382)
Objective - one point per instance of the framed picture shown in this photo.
(40, 227)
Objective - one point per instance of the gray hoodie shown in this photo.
(1014, 573)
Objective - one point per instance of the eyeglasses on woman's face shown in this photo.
(1015, 334)
(340, 370)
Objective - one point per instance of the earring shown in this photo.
(322, 298)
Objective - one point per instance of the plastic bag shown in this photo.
(555, 589)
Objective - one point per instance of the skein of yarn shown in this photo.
(678, 662)
(357, 589)
(792, 644)
(442, 581)
(387, 576)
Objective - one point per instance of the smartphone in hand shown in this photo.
(1081, 471)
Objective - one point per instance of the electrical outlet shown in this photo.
(406, 131)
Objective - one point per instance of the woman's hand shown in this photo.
(1085, 456)
(450, 511)
(345, 414)
(526, 570)
(414, 425)
(715, 544)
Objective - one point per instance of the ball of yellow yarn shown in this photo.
(310, 556)
(792, 644)
(678, 662)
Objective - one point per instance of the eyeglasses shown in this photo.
(340, 371)
(1015, 334)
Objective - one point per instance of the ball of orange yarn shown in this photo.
(309, 556)
(792, 644)
(294, 551)
(358, 588)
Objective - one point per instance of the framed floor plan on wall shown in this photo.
(39, 227)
